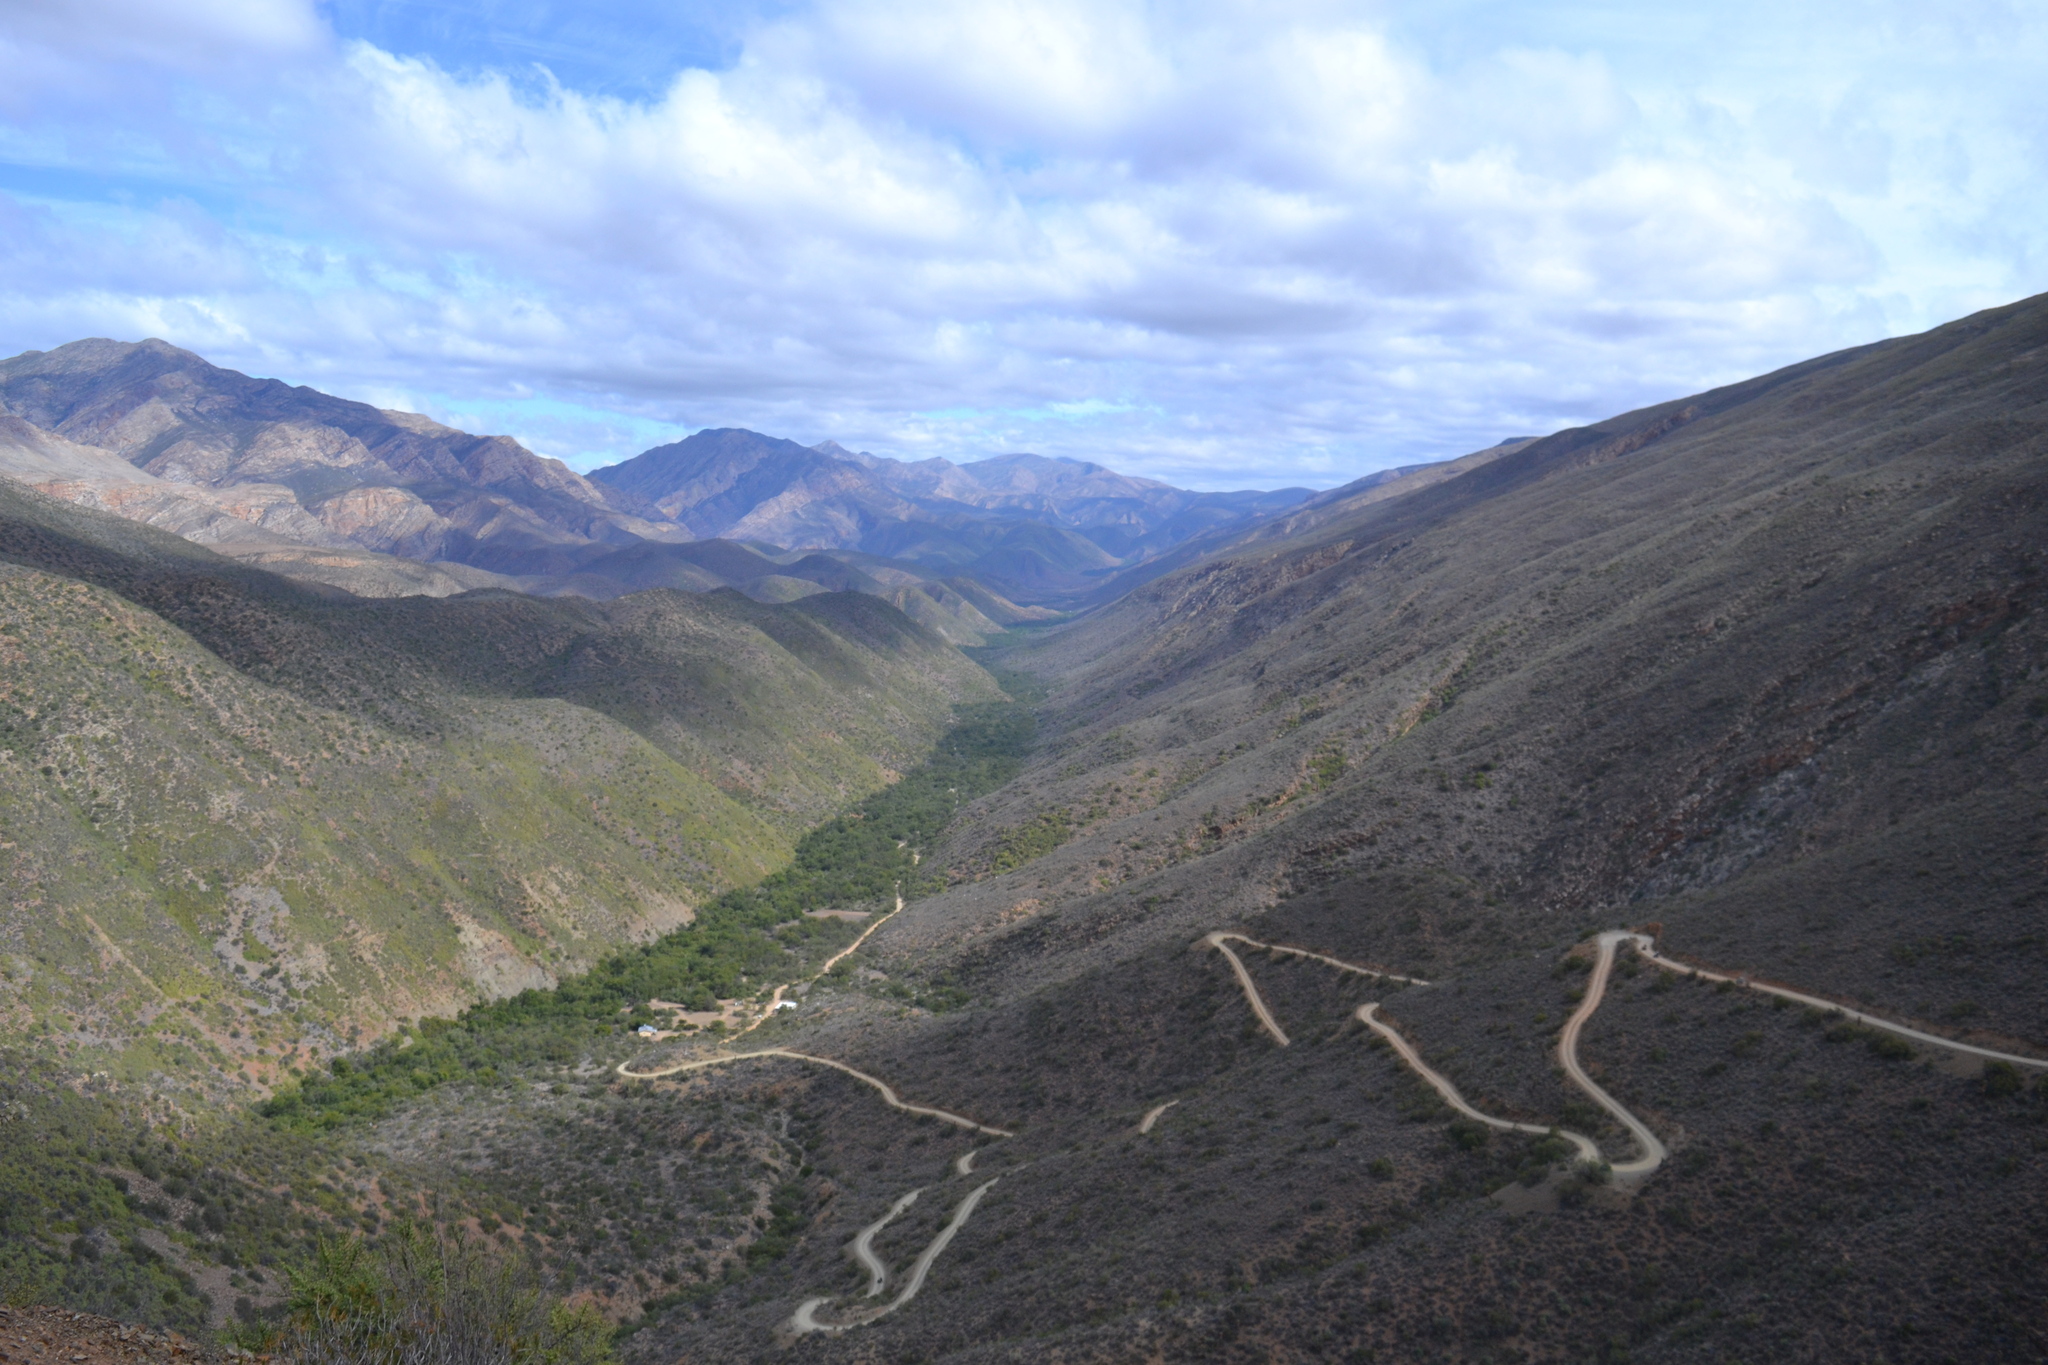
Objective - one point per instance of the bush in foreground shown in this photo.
(418, 1297)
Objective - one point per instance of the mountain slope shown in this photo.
(1765, 668)
(293, 816)
(259, 524)
(1757, 585)
(1762, 672)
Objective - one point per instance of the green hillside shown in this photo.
(277, 822)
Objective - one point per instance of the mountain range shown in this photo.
(1041, 529)
(390, 503)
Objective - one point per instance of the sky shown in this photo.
(1221, 244)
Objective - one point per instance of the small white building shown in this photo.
(645, 1030)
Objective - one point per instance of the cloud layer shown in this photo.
(1222, 244)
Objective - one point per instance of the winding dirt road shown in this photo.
(863, 1248)
(1368, 1015)
(888, 1093)
(805, 1319)
(1244, 979)
(1648, 948)
(864, 1245)
(1251, 992)
(1651, 1152)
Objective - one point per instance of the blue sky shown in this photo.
(1222, 244)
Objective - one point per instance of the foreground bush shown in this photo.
(420, 1298)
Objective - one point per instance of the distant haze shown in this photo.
(1225, 245)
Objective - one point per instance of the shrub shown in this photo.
(1467, 1135)
(421, 1298)
(2001, 1079)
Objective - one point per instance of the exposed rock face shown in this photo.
(393, 520)
(170, 414)
(258, 523)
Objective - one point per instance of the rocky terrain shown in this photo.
(52, 1334)
(1760, 672)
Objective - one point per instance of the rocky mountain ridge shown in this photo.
(1038, 528)
(390, 503)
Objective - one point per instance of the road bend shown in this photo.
(888, 1093)
(1650, 1153)
(805, 1320)
(864, 1245)
(1369, 1016)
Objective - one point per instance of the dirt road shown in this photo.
(1650, 1153)
(1244, 979)
(1368, 1015)
(1251, 992)
(1647, 947)
(1215, 940)
(775, 1000)
(864, 1244)
(805, 1319)
(889, 1096)
(1152, 1115)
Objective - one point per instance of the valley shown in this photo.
(1584, 901)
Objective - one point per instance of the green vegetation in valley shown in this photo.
(743, 942)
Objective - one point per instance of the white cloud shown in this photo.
(71, 59)
(1231, 244)
(189, 33)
